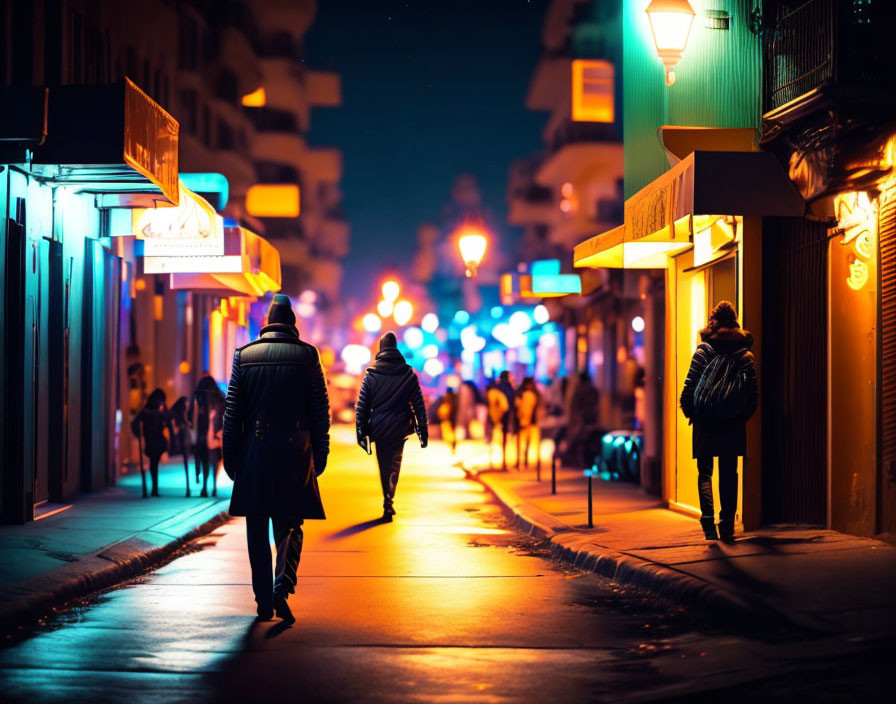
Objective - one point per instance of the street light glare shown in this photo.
(472, 243)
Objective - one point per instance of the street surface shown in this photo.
(444, 605)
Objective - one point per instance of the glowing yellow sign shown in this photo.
(255, 99)
(273, 200)
(856, 215)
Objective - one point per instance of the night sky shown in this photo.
(431, 89)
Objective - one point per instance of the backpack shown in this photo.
(721, 393)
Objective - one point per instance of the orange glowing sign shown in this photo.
(273, 200)
(592, 91)
(255, 99)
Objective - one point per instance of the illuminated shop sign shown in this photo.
(856, 216)
(191, 228)
(273, 200)
(231, 264)
(592, 90)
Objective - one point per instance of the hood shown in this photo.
(728, 338)
(389, 361)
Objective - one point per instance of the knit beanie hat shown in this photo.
(388, 341)
(281, 311)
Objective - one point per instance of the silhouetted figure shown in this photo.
(498, 416)
(528, 406)
(182, 433)
(205, 416)
(448, 418)
(276, 441)
(720, 394)
(583, 418)
(468, 397)
(150, 424)
(390, 408)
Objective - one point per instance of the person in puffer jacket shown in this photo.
(725, 438)
(275, 445)
(390, 408)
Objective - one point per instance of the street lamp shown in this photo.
(472, 244)
(670, 23)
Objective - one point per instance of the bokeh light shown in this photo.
(497, 312)
(402, 312)
(638, 324)
(461, 317)
(413, 338)
(541, 314)
(384, 308)
(430, 322)
(433, 367)
(391, 289)
(520, 322)
(430, 351)
(372, 322)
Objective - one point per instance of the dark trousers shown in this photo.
(200, 457)
(388, 457)
(288, 538)
(727, 488)
(154, 474)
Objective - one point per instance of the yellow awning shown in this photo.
(659, 219)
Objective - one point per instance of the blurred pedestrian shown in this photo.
(448, 418)
(468, 397)
(583, 419)
(151, 425)
(276, 439)
(182, 435)
(390, 408)
(720, 394)
(136, 395)
(528, 407)
(499, 419)
(207, 399)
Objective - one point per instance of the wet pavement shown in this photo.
(444, 604)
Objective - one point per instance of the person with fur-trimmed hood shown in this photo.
(390, 408)
(720, 394)
(275, 445)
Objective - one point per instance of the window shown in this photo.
(592, 91)
(190, 115)
(225, 136)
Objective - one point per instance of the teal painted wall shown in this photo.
(718, 83)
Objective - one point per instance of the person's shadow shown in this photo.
(355, 529)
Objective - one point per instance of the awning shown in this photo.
(252, 270)
(109, 139)
(659, 219)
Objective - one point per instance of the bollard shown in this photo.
(554, 474)
(590, 474)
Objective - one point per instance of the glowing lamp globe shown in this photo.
(472, 244)
(670, 23)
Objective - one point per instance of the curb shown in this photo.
(575, 547)
(34, 598)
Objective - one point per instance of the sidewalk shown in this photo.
(821, 580)
(103, 538)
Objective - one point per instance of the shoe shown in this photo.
(203, 494)
(709, 529)
(265, 613)
(187, 495)
(726, 532)
(282, 609)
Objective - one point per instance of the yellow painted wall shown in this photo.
(852, 370)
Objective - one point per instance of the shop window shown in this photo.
(592, 91)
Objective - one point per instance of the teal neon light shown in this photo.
(207, 183)
(556, 284)
(545, 267)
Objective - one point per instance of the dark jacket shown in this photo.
(150, 424)
(390, 406)
(276, 421)
(717, 437)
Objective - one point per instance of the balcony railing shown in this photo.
(819, 42)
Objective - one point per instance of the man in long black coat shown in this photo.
(276, 442)
(390, 408)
